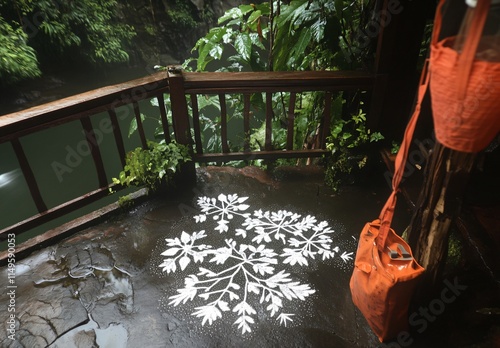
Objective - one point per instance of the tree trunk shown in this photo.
(440, 201)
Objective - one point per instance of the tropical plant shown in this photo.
(86, 30)
(153, 166)
(346, 145)
(243, 32)
(180, 14)
(17, 59)
(300, 35)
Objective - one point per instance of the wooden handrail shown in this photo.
(27, 121)
(180, 86)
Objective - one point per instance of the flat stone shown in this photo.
(85, 339)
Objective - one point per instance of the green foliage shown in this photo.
(17, 60)
(351, 133)
(300, 42)
(125, 202)
(346, 144)
(394, 147)
(455, 251)
(153, 166)
(86, 30)
(243, 32)
(305, 35)
(180, 15)
(297, 35)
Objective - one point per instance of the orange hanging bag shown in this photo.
(385, 272)
(465, 80)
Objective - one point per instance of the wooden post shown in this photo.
(445, 180)
(402, 25)
(180, 119)
(440, 201)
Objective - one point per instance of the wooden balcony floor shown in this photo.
(106, 286)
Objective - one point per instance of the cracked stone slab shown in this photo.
(43, 314)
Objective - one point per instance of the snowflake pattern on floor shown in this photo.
(244, 269)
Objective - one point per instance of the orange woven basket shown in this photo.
(465, 90)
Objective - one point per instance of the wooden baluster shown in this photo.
(246, 122)
(269, 121)
(223, 121)
(140, 128)
(291, 121)
(164, 120)
(29, 176)
(196, 124)
(118, 136)
(94, 150)
(326, 120)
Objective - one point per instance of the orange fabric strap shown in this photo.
(387, 212)
(464, 67)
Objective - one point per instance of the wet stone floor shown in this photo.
(244, 259)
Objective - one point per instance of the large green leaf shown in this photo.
(304, 39)
(243, 45)
(230, 14)
(209, 48)
(133, 125)
(253, 20)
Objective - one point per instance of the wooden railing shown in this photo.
(183, 87)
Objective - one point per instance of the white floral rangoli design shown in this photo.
(247, 269)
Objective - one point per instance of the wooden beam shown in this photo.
(268, 146)
(140, 128)
(270, 155)
(81, 105)
(94, 150)
(58, 211)
(246, 121)
(196, 123)
(67, 229)
(291, 122)
(118, 136)
(180, 118)
(223, 123)
(29, 176)
(164, 119)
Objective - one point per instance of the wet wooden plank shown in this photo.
(93, 145)
(223, 122)
(29, 176)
